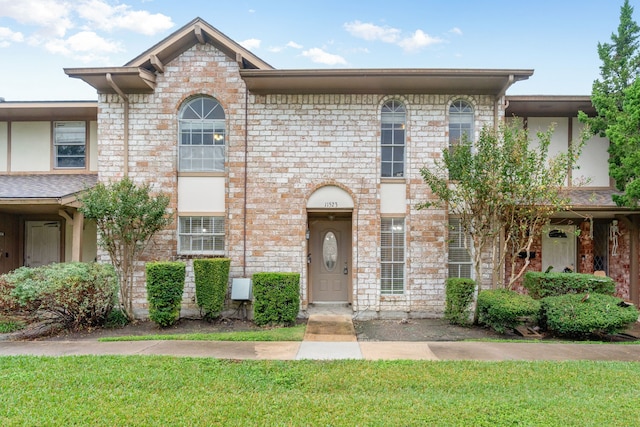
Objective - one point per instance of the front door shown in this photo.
(559, 247)
(42, 243)
(330, 260)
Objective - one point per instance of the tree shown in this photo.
(504, 186)
(127, 217)
(624, 133)
(619, 70)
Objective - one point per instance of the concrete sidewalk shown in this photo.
(330, 337)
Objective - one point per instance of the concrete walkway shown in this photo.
(330, 337)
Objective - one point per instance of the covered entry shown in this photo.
(329, 257)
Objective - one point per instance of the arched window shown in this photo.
(202, 135)
(460, 122)
(393, 135)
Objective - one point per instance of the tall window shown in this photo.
(202, 136)
(460, 264)
(201, 235)
(460, 122)
(393, 124)
(392, 256)
(70, 144)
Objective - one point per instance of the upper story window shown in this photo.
(70, 144)
(460, 122)
(393, 135)
(202, 136)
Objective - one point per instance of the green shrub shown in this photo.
(75, 294)
(572, 315)
(503, 309)
(165, 285)
(541, 285)
(276, 298)
(459, 296)
(212, 282)
(116, 318)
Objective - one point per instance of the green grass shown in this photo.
(135, 390)
(294, 333)
(7, 326)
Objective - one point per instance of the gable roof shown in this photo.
(139, 74)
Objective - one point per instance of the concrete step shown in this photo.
(330, 328)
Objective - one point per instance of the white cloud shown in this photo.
(250, 44)
(320, 56)
(371, 32)
(294, 45)
(8, 36)
(50, 16)
(85, 46)
(104, 16)
(455, 30)
(368, 31)
(417, 41)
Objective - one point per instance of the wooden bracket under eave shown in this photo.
(156, 63)
(239, 60)
(199, 35)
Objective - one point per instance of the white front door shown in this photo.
(559, 247)
(330, 260)
(42, 243)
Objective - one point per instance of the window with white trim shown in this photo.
(201, 235)
(460, 264)
(392, 138)
(202, 136)
(392, 248)
(461, 119)
(70, 145)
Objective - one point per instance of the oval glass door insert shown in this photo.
(330, 250)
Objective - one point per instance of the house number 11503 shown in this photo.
(330, 204)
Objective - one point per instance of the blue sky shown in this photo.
(558, 39)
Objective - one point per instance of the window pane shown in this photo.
(392, 256)
(200, 234)
(69, 140)
(202, 123)
(392, 133)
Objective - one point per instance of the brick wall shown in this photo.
(296, 144)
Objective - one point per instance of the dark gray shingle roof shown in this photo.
(44, 186)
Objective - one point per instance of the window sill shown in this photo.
(392, 180)
(189, 174)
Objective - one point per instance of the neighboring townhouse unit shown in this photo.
(48, 153)
(318, 171)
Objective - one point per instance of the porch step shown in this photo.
(330, 328)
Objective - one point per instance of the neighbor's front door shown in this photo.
(330, 260)
(43, 243)
(559, 247)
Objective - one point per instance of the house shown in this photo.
(48, 153)
(313, 171)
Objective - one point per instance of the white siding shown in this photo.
(31, 146)
(594, 159)
(3, 146)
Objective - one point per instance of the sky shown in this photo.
(557, 39)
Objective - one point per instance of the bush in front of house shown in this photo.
(541, 285)
(503, 309)
(578, 316)
(212, 282)
(165, 285)
(75, 294)
(459, 296)
(276, 298)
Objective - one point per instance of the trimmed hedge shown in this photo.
(541, 285)
(276, 298)
(165, 285)
(503, 309)
(75, 294)
(459, 296)
(212, 282)
(572, 315)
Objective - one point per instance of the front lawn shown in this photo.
(134, 390)
(293, 333)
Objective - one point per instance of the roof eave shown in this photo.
(369, 81)
(127, 79)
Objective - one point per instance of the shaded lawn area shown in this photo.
(155, 390)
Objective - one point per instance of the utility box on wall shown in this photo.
(241, 289)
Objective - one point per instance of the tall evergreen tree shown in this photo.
(619, 70)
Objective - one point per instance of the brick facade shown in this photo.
(295, 144)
